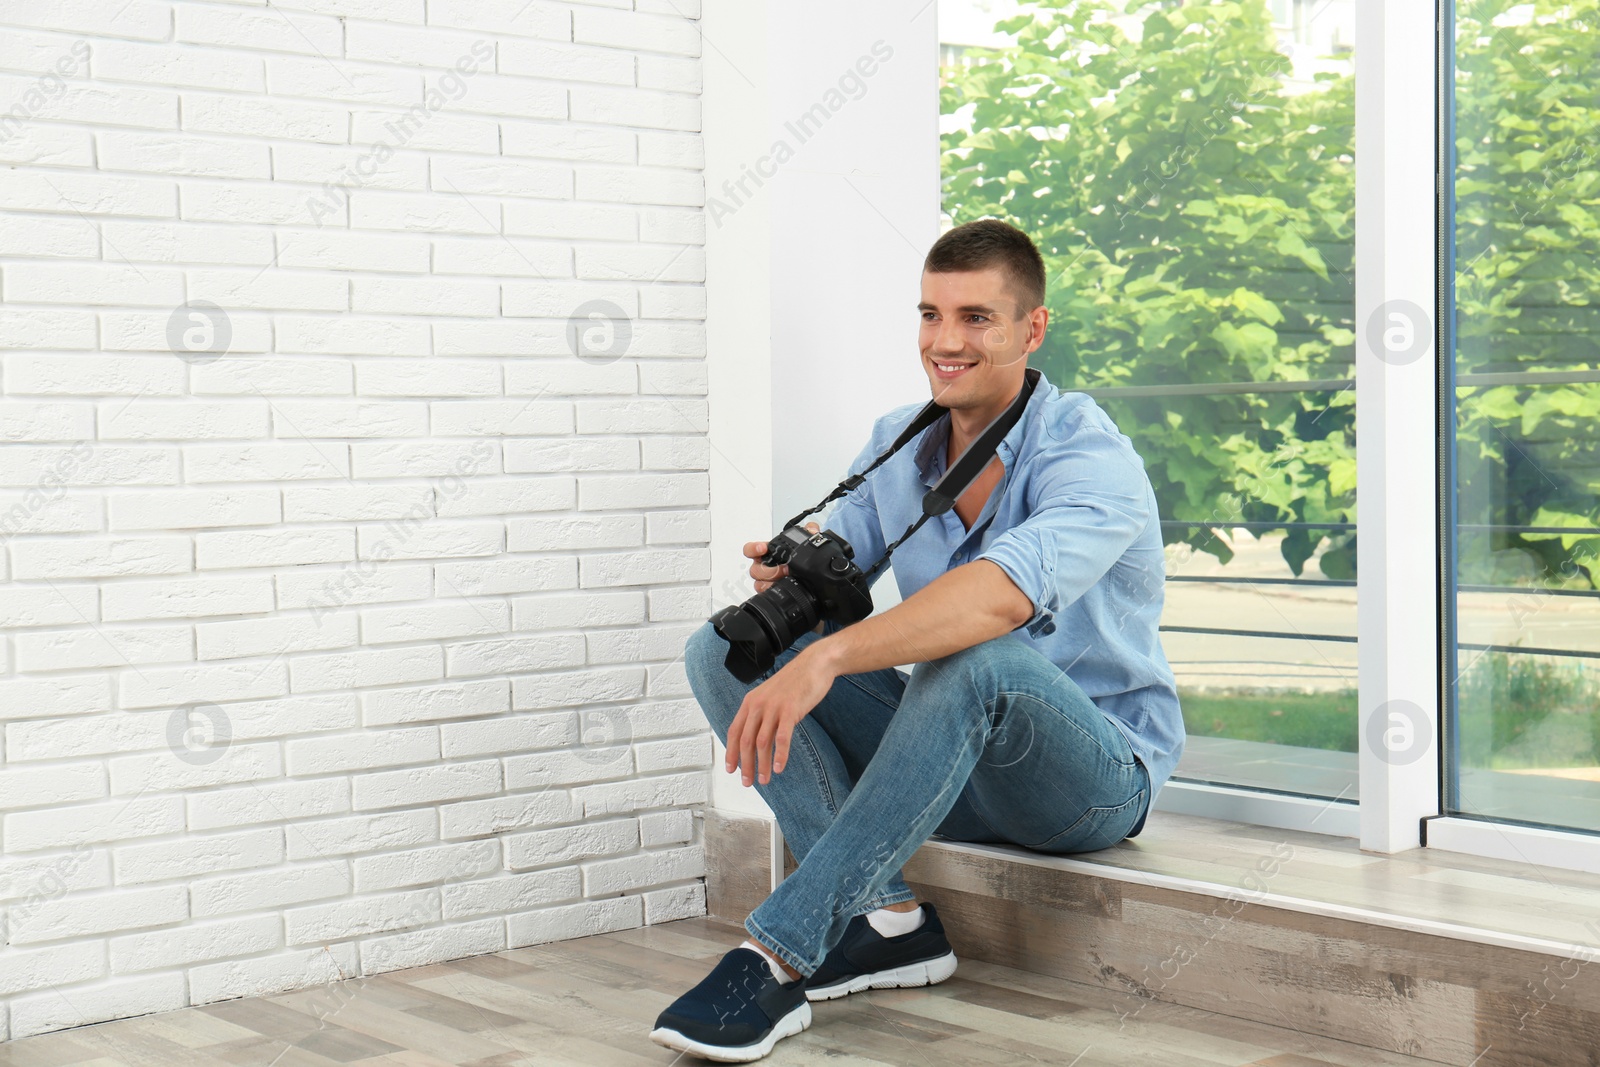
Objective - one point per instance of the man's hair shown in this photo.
(992, 243)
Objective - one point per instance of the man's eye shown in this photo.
(975, 315)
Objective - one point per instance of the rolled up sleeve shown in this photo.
(1088, 500)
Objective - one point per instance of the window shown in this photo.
(1200, 250)
(1192, 182)
(1524, 698)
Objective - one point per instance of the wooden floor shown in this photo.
(589, 1002)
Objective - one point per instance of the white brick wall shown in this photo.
(344, 608)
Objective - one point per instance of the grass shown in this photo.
(1309, 720)
(1520, 711)
(1515, 711)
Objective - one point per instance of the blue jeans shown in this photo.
(993, 743)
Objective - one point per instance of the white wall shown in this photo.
(814, 265)
(856, 212)
(321, 656)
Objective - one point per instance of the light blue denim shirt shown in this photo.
(1073, 523)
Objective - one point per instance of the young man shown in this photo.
(1041, 711)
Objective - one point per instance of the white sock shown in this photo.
(894, 923)
(772, 961)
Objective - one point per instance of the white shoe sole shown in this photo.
(797, 1020)
(929, 972)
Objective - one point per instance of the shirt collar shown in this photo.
(935, 440)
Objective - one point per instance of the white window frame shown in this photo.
(1398, 524)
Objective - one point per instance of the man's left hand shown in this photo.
(758, 739)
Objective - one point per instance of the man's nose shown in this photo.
(949, 338)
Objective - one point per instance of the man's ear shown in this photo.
(1038, 319)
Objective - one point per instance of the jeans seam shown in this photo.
(1066, 718)
(822, 774)
(884, 900)
(988, 719)
(876, 696)
(1138, 793)
(755, 929)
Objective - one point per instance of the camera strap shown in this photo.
(948, 489)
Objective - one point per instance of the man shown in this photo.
(1041, 711)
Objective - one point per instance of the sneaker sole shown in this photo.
(797, 1020)
(928, 972)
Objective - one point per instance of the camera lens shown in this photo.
(763, 626)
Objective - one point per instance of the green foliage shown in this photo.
(1196, 220)
(1527, 280)
(1196, 224)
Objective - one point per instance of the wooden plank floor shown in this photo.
(589, 1002)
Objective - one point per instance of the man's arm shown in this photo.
(961, 608)
(964, 606)
(1089, 500)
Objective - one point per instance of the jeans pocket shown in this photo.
(1097, 828)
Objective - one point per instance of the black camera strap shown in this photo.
(948, 489)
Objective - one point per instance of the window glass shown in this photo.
(1187, 171)
(1524, 733)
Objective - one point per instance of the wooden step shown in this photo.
(1465, 961)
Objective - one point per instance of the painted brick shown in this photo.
(322, 635)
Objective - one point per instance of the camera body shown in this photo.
(823, 584)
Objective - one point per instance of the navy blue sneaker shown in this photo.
(865, 959)
(737, 1012)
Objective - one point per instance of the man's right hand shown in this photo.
(764, 575)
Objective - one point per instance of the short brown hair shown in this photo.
(992, 243)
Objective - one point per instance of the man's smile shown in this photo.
(949, 371)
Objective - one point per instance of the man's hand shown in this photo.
(758, 739)
(764, 575)
(969, 604)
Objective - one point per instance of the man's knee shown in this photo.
(703, 642)
(704, 656)
(986, 659)
(967, 678)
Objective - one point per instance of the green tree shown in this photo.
(1196, 219)
(1196, 224)
(1527, 278)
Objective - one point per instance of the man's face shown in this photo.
(971, 321)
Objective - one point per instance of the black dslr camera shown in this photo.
(822, 584)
